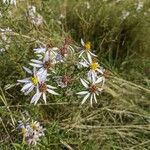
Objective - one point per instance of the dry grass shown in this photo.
(121, 119)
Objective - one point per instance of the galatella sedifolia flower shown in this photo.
(31, 82)
(92, 88)
(94, 67)
(86, 49)
(31, 132)
(41, 90)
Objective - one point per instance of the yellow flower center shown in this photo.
(87, 46)
(94, 66)
(34, 80)
(33, 126)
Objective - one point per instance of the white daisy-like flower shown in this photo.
(94, 67)
(125, 14)
(139, 5)
(37, 20)
(92, 89)
(4, 39)
(38, 128)
(12, 2)
(86, 50)
(31, 132)
(47, 63)
(42, 88)
(31, 82)
(34, 17)
(31, 10)
(40, 51)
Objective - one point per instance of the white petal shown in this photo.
(51, 87)
(40, 56)
(29, 90)
(94, 75)
(92, 54)
(27, 70)
(34, 70)
(52, 92)
(82, 42)
(46, 58)
(91, 99)
(81, 53)
(100, 89)
(71, 48)
(24, 80)
(84, 64)
(99, 80)
(37, 98)
(85, 60)
(44, 97)
(42, 73)
(35, 65)
(89, 75)
(104, 79)
(26, 86)
(82, 93)
(39, 50)
(100, 71)
(54, 48)
(89, 57)
(34, 98)
(37, 61)
(95, 98)
(85, 98)
(84, 83)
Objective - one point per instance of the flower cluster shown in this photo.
(38, 79)
(49, 58)
(95, 75)
(31, 132)
(12, 2)
(34, 17)
(4, 39)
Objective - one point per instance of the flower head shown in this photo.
(92, 88)
(42, 89)
(31, 132)
(87, 46)
(31, 82)
(34, 17)
(86, 49)
(48, 63)
(40, 51)
(94, 67)
(125, 14)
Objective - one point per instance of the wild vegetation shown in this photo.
(119, 32)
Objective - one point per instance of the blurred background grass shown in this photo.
(121, 120)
